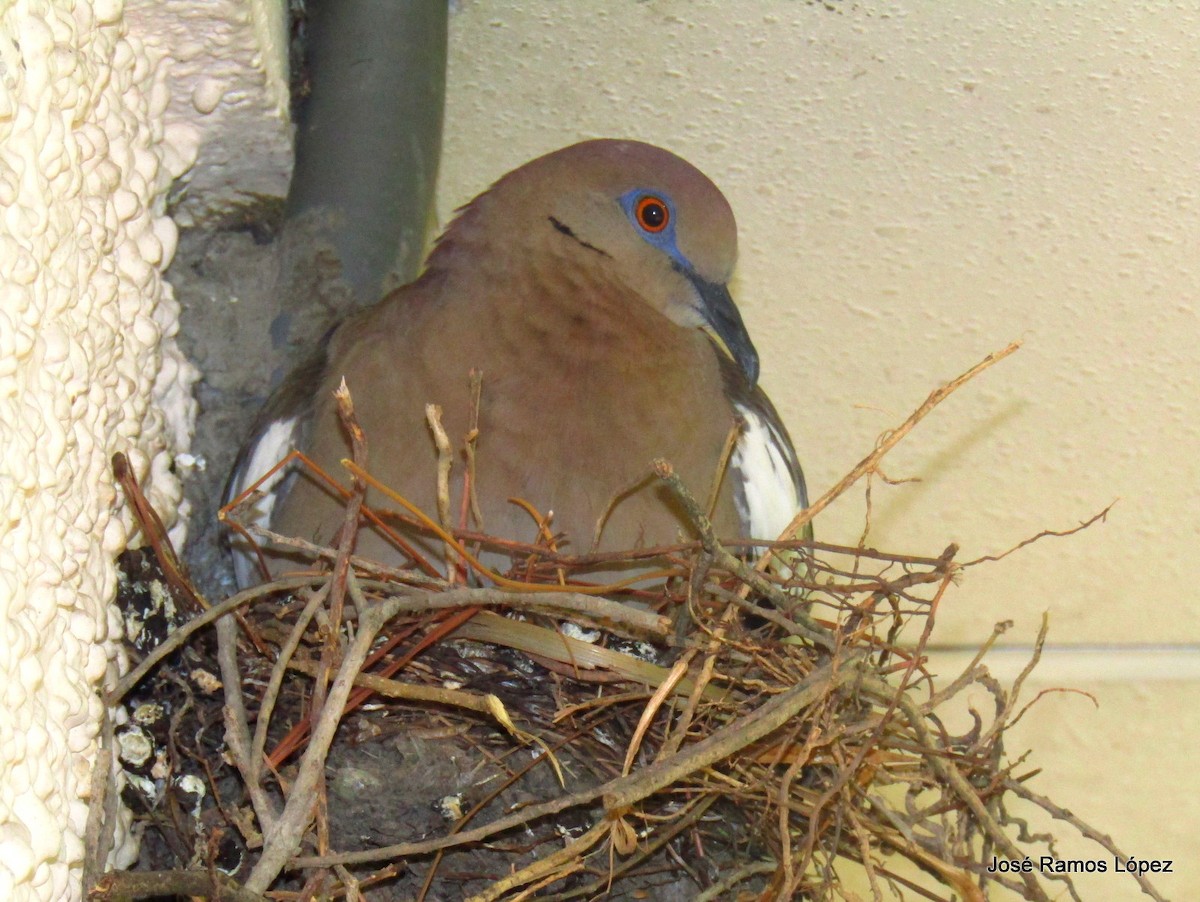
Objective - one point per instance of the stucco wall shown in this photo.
(226, 75)
(88, 365)
(916, 185)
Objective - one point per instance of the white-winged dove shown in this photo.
(589, 288)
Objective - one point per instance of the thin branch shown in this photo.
(1045, 533)
(119, 886)
(886, 443)
(1103, 839)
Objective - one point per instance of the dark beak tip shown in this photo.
(722, 316)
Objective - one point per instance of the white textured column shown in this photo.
(88, 366)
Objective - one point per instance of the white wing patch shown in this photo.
(770, 496)
(276, 442)
(273, 445)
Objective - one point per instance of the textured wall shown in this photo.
(227, 77)
(87, 366)
(917, 184)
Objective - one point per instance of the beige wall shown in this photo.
(917, 184)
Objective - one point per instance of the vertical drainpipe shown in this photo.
(367, 144)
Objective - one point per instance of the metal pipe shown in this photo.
(368, 139)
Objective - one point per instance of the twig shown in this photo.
(1039, 643)
(651, 710)
(965, 792)
(751, 578)
(237, 724)
(102, 807)
(554, 600)
(362, 564)
(969, 672)
(331, 650)
(681, 822)
(559, 861)
(864, 850)
(886, 443)
(156, 534)
(445, 460)
(1103, 839)
(119, 886)
(738, 875)
(714, 491)
(578, 656)
(271, 693)
(283, 838)
(783, 794)
(486, 704)
(1045, 533)
(346, 538)
(470, 442)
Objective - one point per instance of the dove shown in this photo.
(589, 289)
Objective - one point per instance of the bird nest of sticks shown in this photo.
(367, 732)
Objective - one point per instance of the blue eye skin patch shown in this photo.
(664, 240)
(722, 320)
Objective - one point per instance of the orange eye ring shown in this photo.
(652, 213)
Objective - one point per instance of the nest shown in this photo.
(743, 730)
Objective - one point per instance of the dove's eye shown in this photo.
(652, 213)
